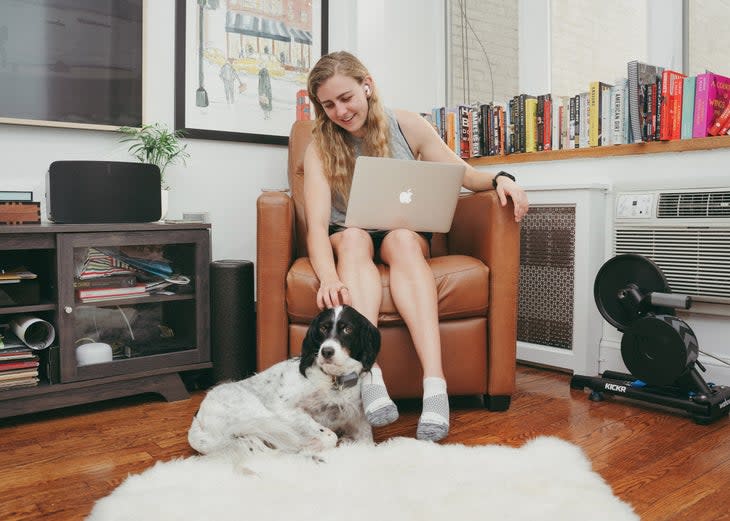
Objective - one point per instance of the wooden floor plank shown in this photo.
(55, 465)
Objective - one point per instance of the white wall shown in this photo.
(225, 178)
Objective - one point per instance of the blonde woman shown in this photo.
(351, 121)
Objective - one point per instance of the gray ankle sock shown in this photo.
(379, 408)
(433, 425)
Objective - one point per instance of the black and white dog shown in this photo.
(301, 404)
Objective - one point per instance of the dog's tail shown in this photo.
(250, 435)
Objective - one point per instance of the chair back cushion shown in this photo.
(299, 139)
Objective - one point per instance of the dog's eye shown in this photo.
(323, 328)
(347, 330)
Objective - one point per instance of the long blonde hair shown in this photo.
(336, 152)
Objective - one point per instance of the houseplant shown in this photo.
(158, 145)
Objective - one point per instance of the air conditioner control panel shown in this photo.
(634, 206)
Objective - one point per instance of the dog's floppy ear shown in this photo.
(370, 344)
(310, 346)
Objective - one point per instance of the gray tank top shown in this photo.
(399, 149)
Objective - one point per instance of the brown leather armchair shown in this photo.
(476, 268)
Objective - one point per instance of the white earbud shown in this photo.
(366, 88)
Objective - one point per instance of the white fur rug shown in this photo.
(404, 479)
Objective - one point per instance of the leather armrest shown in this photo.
(274, 256)
(482, 228)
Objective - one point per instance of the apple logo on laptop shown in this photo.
(406, 196)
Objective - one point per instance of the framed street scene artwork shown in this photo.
(241, 66)
(75, 63)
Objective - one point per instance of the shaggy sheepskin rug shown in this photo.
(404, 479)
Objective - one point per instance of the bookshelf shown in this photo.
(652, 147)
(155, 337)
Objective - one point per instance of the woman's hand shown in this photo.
(508, 188)
(333, 293)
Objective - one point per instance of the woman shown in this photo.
(351, 121)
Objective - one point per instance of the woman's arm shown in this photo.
(427, 144)
(317, 208)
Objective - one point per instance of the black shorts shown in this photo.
(378, 235)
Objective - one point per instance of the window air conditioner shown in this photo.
(685, 232)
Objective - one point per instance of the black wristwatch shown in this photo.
(501, 173)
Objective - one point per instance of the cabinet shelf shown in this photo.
(14, 310)
(153, 338)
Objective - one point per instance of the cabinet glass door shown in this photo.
(132, 302)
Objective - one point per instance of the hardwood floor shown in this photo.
(55, 465)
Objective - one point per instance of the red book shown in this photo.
(670, 112)
(9, 366)
(720, 122)
(676, 95)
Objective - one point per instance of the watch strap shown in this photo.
(501, 173)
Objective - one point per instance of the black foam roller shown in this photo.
(232, 319)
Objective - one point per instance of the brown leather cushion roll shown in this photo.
(461, 283)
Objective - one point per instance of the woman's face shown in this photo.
(345, 103)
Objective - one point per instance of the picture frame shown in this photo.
(72, 64)
(240, 73)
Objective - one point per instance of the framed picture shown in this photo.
(241, 67)
(76, 63)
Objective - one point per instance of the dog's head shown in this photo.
(340, 340)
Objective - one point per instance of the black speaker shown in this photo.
(79, 192)
(232, 319)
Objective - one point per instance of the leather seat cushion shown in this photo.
(462, 284)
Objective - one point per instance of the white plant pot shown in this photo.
(164, 203)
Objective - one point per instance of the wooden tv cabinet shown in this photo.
(154, 338)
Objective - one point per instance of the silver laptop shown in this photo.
(396, 193)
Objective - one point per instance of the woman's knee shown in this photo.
(353, 242)
(402, 242)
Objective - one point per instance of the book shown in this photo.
(109, 281)
(16, 374)
(16, 195)
(17, 353)
(712, 92)
(618, 116)
(640, 75)
(530, 124)
(670, 102)
(19, 383)
(596, 107)
(688, 106)
(17, 364)
(87, 293)
(90, 300)
(720, 122)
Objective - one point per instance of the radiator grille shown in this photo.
(693, 205)
(547, 271)
(694, 261)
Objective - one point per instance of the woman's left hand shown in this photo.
(508, 188)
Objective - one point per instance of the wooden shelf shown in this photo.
(654, 147)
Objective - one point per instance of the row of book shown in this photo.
(650, 104)
(18, 362)
(108, 274)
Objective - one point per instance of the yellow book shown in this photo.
(530, 125)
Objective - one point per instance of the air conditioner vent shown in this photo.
(694, 261)
(674, 205)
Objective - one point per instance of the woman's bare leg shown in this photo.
(354, 253)
(414, 293)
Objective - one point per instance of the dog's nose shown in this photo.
(328, 352)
